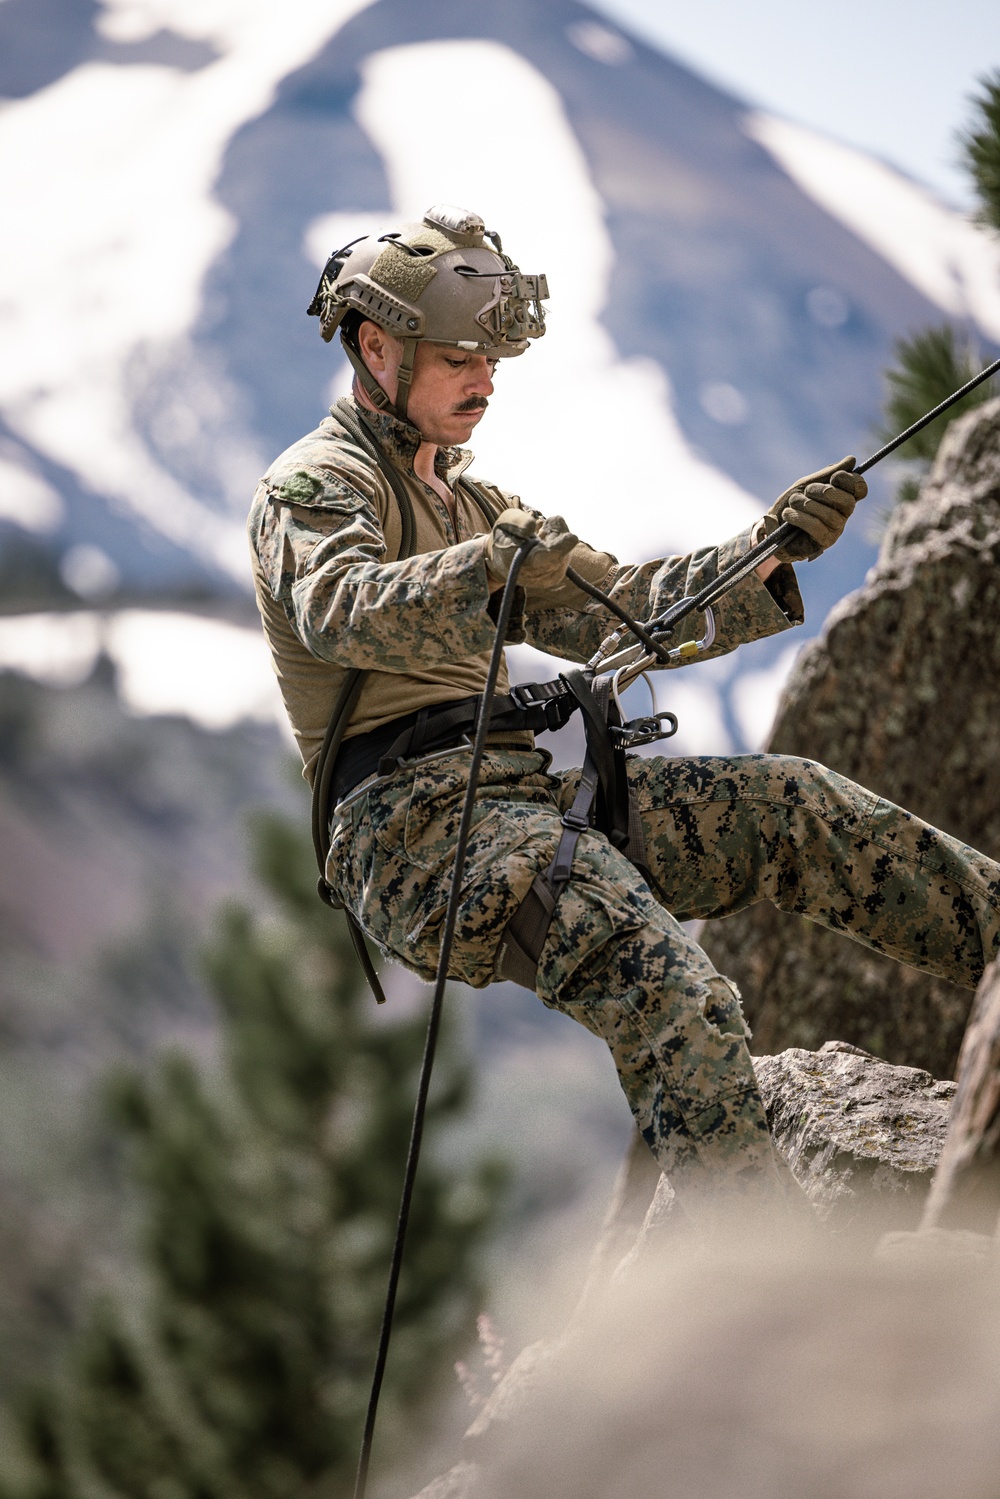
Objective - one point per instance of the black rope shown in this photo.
(437, 1003)
(652, 645)
(928, 417)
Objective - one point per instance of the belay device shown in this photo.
(596, 691)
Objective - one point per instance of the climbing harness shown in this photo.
(601, 800)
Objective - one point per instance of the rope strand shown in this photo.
(434, 1019)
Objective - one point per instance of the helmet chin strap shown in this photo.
(404, 376)
(373, 389)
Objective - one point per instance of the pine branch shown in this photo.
(980, 147)
(928, 367)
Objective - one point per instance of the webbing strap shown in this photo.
(524, 935)
(594, 698)
(574, 822)
(344, 707)
(604, 779)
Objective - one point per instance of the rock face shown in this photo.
(756, 1370)
(902, 693)
(861, 1136)
(966, 1189)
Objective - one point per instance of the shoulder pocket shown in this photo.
(310, 489)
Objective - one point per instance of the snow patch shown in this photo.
(28, 500)
(755, 696)
(291, 32)
(213, 672)
(124, 160)
(56, 649)
(942, 253)
(600, 43)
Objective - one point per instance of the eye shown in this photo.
(457, 364)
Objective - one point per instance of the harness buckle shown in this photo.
(534, 694)
(551, 699)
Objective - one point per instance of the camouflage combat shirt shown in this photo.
(325, 535)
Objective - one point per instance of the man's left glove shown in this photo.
(820, 505)
(545, 565)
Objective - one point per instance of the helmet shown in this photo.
(439, 280)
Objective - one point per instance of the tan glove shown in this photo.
(820, 505)
(545, 565)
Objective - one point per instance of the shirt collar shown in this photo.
(401, 441)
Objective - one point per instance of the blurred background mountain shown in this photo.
(728, 287)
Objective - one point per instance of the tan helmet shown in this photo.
(439, 280)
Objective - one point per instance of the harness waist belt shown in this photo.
(529, 707)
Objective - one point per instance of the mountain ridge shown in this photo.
(769, 318)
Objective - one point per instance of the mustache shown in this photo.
(474, 403)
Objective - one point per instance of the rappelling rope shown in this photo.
(437, 1004)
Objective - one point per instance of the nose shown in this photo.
(481, 376)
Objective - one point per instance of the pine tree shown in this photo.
(932, 364)
(981, 150)
(237, 1365)
(928, 367)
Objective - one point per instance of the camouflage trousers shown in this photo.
(720, 835)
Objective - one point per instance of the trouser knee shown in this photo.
(659, 1002)
(676, 1031)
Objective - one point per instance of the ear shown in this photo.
(374, 344)
(380, 350)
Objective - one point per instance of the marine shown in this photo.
(379, 563)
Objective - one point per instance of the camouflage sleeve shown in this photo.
(321, 548)
(565, 623)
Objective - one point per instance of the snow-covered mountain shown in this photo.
(726, 286)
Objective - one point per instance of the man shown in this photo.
(378, 567)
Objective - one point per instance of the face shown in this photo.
(449, 390)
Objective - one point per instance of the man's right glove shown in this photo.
(820, 505)
(545, 565)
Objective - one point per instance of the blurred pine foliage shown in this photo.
(928, 367)
(937, 361)
(236, 1364)
(980, 146)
